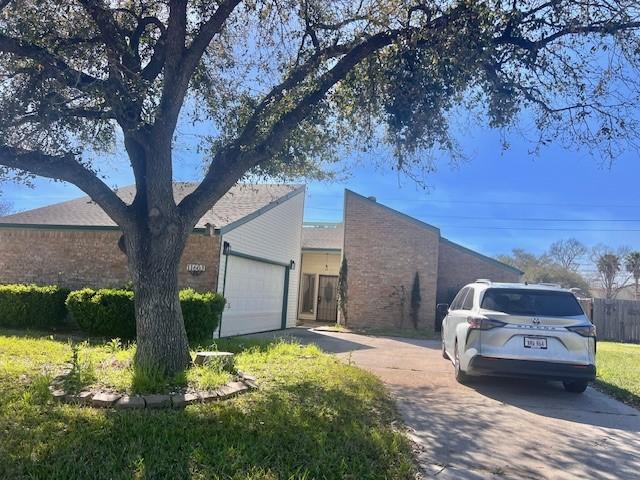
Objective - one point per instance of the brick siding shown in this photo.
(384, 250)
(458, 266)
(90, 258)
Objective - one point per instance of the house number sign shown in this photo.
(195, 268)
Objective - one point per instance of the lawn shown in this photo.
(619, 371)
(313, 417)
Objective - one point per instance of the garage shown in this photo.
(256, 290)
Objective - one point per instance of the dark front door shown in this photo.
(327, 299)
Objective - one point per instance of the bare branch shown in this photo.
(67, 168)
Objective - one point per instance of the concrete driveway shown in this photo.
(494, 428)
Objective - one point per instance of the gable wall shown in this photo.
(384, 250)
(275, 235)
(457, 267)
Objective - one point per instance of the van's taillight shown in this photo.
(584, 330)
(483, 323)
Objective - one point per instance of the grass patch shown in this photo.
(618, 367)
(313, 417)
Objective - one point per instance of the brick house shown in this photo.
(247, 248)
(384, 249)
(244, 247)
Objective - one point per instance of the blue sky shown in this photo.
(481, 203)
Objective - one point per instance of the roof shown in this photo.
(496, 262)
(240, 201)
(322, 236)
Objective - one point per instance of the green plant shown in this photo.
(82, 373)
(153, 379)
(416, 300)
(111, 312)
(114, 345)
(342, 289)
(105, 312)
(32, 306)
(201, 313)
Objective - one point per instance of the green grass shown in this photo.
(619, 371)
(313, 417)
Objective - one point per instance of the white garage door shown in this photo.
(254, 292)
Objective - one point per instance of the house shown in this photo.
(384, 250)
(245, 247)
(252, 247)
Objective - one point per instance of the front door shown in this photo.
(327, 299)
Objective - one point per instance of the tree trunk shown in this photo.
(154, 243)
(161, 336)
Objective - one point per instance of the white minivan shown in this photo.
(519, 330)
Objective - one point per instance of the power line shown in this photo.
(489, 202)
(486, 227)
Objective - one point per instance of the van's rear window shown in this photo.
(538, 303)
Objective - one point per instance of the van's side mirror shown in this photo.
(442, 309)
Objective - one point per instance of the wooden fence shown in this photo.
(617, 320)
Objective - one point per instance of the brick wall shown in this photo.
(458, 266)
(384, 249)
(90, 258)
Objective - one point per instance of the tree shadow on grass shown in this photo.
(299, 430)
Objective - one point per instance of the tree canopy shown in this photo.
(282, 85)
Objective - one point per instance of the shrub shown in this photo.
(110, 313)
(104, 312)
(32, 306)
(201, 313)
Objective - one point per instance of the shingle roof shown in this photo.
(323, 236)
(240, 201)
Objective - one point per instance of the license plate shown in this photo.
(535, 342)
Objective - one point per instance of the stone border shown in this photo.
(105, 399)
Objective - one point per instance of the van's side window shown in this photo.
(467, 303)
(457, 302)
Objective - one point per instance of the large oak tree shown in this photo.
(284, 84)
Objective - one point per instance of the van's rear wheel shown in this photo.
(461, 377)
(575, 387)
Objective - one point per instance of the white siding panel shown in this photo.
(275, 235)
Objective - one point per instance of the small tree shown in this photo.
(342, 289)
(416, 300)
(567, 253)
(609, 267)
(632, 264)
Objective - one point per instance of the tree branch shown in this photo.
(533, 46)
(184, 61)
(68, 168)
(230, 164)
(59, 68)
(111, 35)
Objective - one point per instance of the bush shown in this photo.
(32, 306)
(201, 312)
(110, 312)
(105, 312)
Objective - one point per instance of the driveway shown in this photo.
(494, 428)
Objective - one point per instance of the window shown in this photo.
(457, 302)
(467, 304)
(538, 303)
(308, 293)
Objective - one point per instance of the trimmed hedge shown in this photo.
(32, 306)
(111, 313)
(104, 312)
